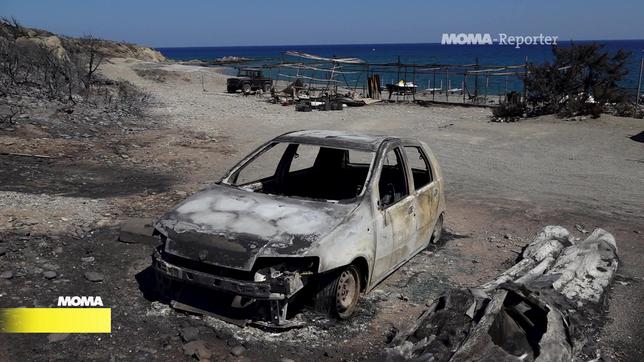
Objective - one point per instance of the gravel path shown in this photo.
(545, 161)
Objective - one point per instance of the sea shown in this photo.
(429, 53)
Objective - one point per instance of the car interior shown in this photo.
(331, 176)
(393, 181)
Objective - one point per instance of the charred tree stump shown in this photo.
(531, 312)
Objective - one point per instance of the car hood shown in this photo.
(231, 227)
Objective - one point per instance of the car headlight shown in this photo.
(272, 268)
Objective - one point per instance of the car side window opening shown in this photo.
(393, 179)
(419, 164)
(304, 157)
(308, 171)
(262, 167)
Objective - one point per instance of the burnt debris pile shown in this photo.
(541, 309)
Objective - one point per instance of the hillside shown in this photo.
(61, 45)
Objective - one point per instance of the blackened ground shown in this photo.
(504, 181)
(145, 328)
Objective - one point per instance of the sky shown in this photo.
(162, 23)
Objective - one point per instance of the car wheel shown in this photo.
(438, 230)
(246, 88)
(339, 295)
(267, 87)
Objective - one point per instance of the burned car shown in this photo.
(331, 212)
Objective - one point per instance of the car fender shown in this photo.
(355, 237)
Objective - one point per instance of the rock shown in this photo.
(88, 259)
(181, 193)
(50, 274)
(158, 309)
(197, 349)
(57, 337)
(94, 276)
(189, 334)
(3, 250)
(51, 43)
(147, 350)
(581, 228)
(6, 275)
(286, 360)
(237, 351)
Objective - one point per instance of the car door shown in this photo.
(425, 191)
(395, 213)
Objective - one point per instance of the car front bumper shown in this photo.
(274, 289)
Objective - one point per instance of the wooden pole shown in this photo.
(639, 83)
(414, 81)
(398, 79)
(434, 91)
(476, 80)
(525, 76)
(447, 90)
(487, 84)
(463, 85)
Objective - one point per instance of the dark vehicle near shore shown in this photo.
(249, 79)
(330, 212)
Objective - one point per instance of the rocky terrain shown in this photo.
(70, 179)
(61, 44)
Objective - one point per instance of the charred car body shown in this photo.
(330, 211)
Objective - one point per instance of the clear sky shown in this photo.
(162, 23)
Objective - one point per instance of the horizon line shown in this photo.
(388, 43)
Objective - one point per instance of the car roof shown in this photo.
(336, 139)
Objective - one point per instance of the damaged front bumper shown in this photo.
(280, 288)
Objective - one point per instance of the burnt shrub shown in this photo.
(582, 80)
(510, 110)
(36, 63)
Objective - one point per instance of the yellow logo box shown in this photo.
(56, 320)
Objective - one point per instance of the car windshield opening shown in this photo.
(303, 170)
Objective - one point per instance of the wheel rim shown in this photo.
(347, 291)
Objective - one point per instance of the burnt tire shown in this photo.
(246, 88)
(437, 233)
(267, 87)
(339, 292)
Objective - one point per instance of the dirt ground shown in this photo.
(505, 181)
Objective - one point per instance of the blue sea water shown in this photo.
(419, 53)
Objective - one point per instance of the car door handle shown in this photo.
(410, 210)
(434, 192)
